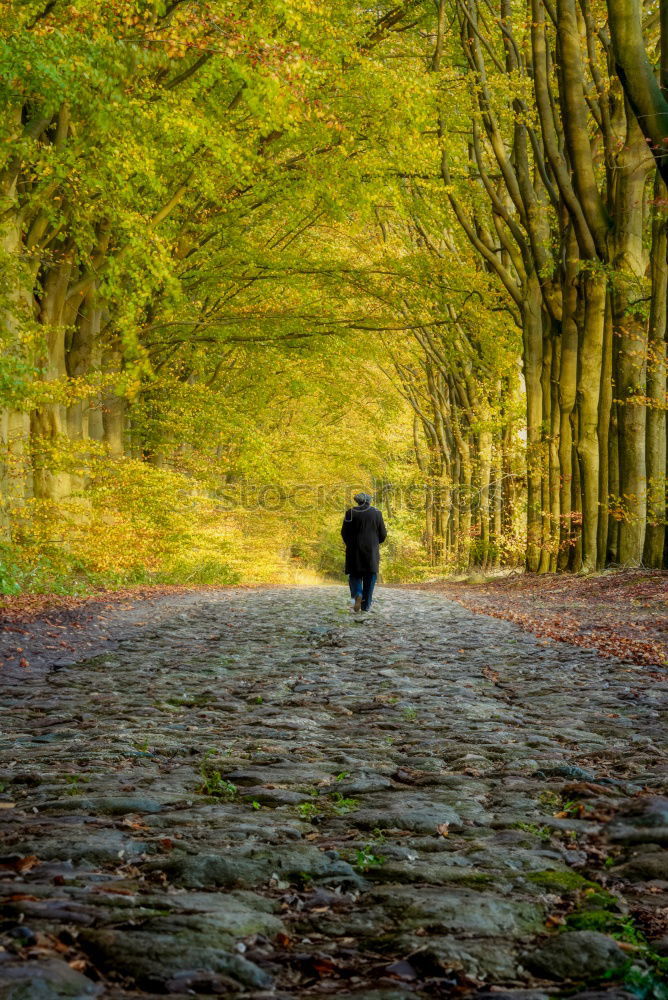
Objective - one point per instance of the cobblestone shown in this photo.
(250, 794)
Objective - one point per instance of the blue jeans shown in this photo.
(363, 585)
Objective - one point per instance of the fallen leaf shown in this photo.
(25, 864)
(20, 864)
(443, 829)
(323, 965)
(134, 824)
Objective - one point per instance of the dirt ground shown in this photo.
(623, 614)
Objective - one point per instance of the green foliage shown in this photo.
(340, 805)
(326, 804)
(365, 858)
(614, 924)
(74, 783)
(646, 984)
(45, 569)
(543, 832)
(645, 975)
(10, 575)
(262, 290)
(560, 881)
(214, 785)
(308, 810)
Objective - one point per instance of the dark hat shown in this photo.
(362, 498)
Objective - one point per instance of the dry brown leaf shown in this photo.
(25, 864)
(21, 864)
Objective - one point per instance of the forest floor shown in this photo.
(619, 613)
(250, 794)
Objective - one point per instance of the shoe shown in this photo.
(358, 603)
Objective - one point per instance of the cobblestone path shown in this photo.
(255, 796)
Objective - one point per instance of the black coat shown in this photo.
(363, 531)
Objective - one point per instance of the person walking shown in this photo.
(363, 531)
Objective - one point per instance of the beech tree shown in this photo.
(229, 232)
(647, 93)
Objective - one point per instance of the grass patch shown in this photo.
(645, 974)
(214, 785)
(190, 701)
(645, 984)
(322, 805)
(544, 832)
(560, 881)
(366, 858)
(308, 810)
(616, 925)
(473, 880)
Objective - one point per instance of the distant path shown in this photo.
(250, 793)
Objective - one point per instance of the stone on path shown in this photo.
(246, 795)
(46, 980)
(577, 955)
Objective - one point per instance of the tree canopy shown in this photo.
(258, 255)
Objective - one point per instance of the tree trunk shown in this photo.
(653, 552)
(114, 409)
(79, 360)
(49, 419)
(575, 556)
(485, 467)
(630, 327)
(465, 519)
(567, 395)
(555, 471)
(545, 532)
(532, 331)
(497, 523)
(604, 408)
(15, 468)
(588, 394)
